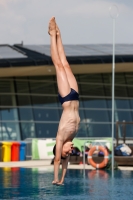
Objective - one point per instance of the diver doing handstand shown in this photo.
(69, 98)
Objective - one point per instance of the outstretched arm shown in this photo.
(64, 170)
(57, 160)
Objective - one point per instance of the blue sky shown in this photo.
(80, 21)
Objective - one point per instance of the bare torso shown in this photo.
(69, 121)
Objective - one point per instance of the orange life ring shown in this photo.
(105, 160)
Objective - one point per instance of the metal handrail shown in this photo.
(84, 158)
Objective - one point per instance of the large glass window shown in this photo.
(46, 130)
(22, 86)
(29, 106)
(24, 100)
(94, 103)
(8, 114)
(97, 115)
(9, 125)
(46, 114)
(27, 130)
(25, 114)
(44, 101)
(42, 86)
(9, 131)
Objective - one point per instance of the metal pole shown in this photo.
(84, 159)
(113, 93)
(114, 14)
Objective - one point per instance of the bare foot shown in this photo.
(52, 26)
(54, 182)
(57, 30)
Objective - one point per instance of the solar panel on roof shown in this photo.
(43, 49)
(86, 50)
(101, 49)
(119, 49)
(70, 50)
(124, 49)
(8, 52)
(81, 50)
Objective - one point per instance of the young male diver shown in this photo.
(69, 98)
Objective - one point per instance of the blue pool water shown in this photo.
(29, 184)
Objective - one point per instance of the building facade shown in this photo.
(29, 106)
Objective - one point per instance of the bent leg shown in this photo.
(62, 81)
(71, 78)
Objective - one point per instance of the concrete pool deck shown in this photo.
(46, 164)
